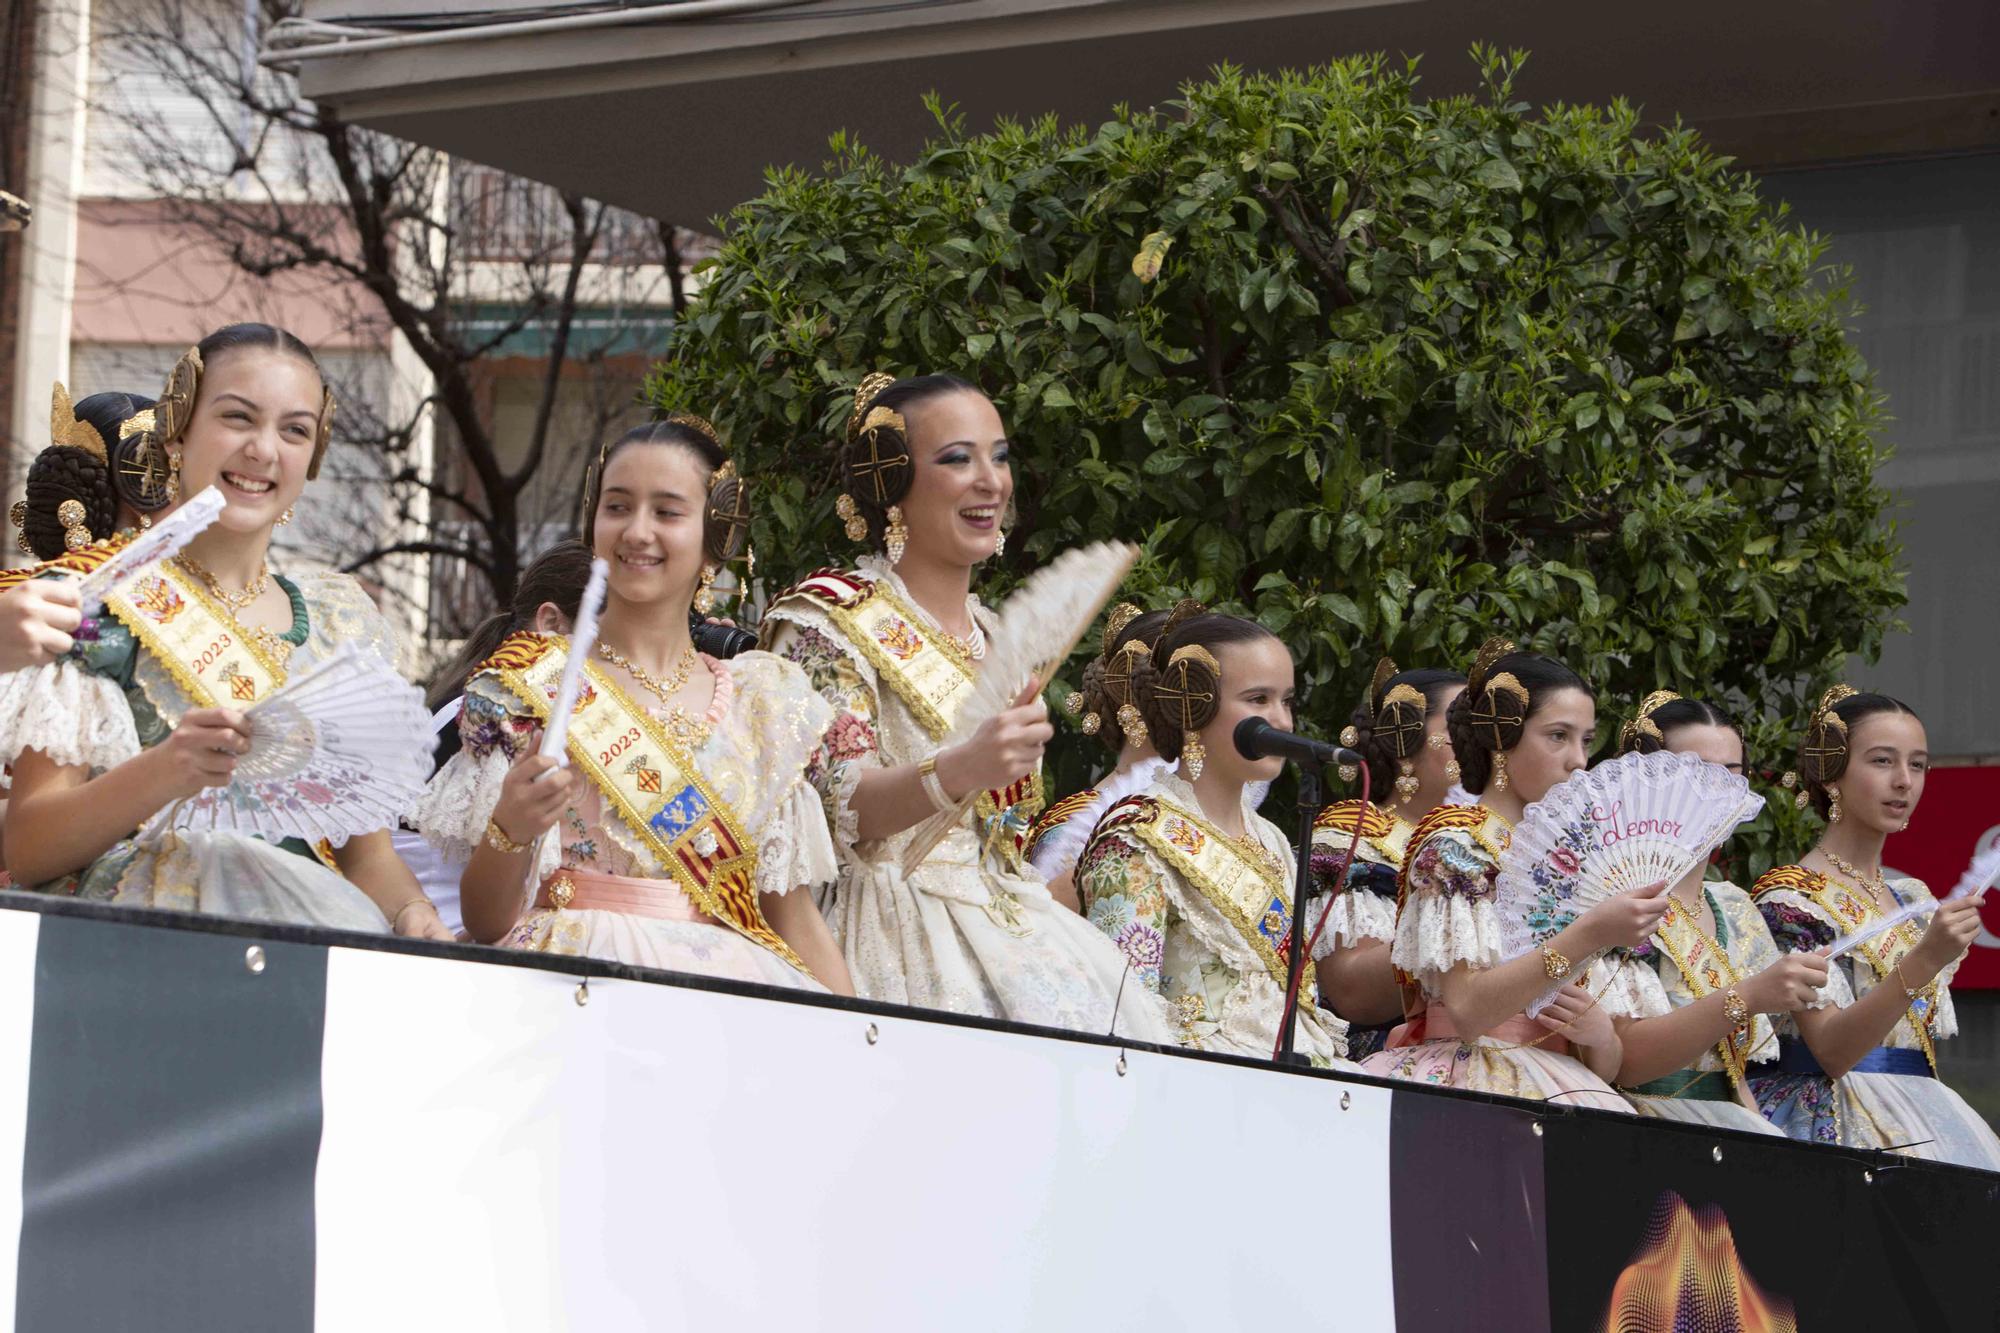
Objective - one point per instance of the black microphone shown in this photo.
(1258, 739)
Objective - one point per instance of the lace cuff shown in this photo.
(69, 714)
(795, 851)
(452, 812)
(1359, 917)
(1438, 932)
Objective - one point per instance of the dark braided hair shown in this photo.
(1377, 747)
(65, 472)
(1502, 714)
(1169, 696)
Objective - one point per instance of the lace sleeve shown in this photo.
(795, 850)
(1448, 917)
(1363, 911)
(73, 715)
(1121, 882)
(849, 747)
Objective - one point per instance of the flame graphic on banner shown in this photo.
(1686, 1278)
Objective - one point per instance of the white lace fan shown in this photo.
(1630, 822)
(163, 539)
(341, 748)
(1039, 626)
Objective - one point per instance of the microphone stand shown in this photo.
(1295, 954)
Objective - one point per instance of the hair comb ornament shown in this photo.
(1489, 653)
(700, 425)
(66, 428)
(1641, 722)
(1188, 685)
(1400, 721)
(865, 393)
(1823, 752)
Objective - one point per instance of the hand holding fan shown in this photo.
(1039, 627)
(341, 748)
(1630, 822)
(1980, 876)
(582, 643)
(163, 539)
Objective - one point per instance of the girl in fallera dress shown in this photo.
(895, 646)
(1399, 729)
(682, 835)
(1108, 712)
(1523, 724)
(1192, 885)
(1702, 988)
(125, 723)
(1858, 1066)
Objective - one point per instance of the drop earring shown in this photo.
(174, 477)
(1451, 770)
(1193, 753)
(1833, 809)
(1000, 544)
(850, 516)
(1499, 770)
(896, 536)
(704, 595)
(1406, 783)
(285, 517)
(1131, 723)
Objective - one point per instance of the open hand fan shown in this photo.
(163, 539)
(1630, 822)
(1039, 626)
(341, 748)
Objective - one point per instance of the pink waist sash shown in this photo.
(592, 891)
(1434, 1024)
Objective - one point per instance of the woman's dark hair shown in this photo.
(1376, 734)
(556, 575)
(1492, 714)
(64, 472)
(1179, 696)
(876, 466)
(724, 520)
(263, 337)
(1107, 681)
(1823, 753)
(1671, 716)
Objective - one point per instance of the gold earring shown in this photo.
(75, 522)
(1435, 741)
(174, 477)
(896, 536)
(1000, 544)
(1499, 770)
(1092, 723)
(704, 595)
(1192, 751)
(1349, 772)
(1451, 770)
(850, 514)
(1406, 784)
(1131, 723)
(19, 513)
(285, 517)
(1833, 810)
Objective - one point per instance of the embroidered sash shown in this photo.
(646, 777)
(69, 562)
(1219, 869)
(215, 661)
(1053, 818)
(932, 677)
(1706, 968)
(1387, 836)
(1883, 952)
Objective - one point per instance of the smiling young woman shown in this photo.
(682, 835)
(120, 727)
(896, 647)
(1858, 1065)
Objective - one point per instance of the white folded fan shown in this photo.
(1982, 875)
(155, 544)
(341, 748)
(1630, 822)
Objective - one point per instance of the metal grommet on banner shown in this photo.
(1868, 1177)
(1715, 1153)
(253, 960)
(583, 993)
(1536, 1129)
(874, 1034)
(1121, 1064)
(1346, 1100)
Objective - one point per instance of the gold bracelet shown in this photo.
(497, 839)
(1554, 964)
(933, 786)
(397, 919)
(1909, 992)
(1733, 1009)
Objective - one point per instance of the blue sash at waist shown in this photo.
(1795, 1057)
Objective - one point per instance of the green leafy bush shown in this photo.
(1389, 374)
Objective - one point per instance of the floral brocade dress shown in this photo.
(1363, 905)
(972, 929)
(1893, 1098)
(1227, 992)
(108, 698)
(762, 727)
(1448, 918)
